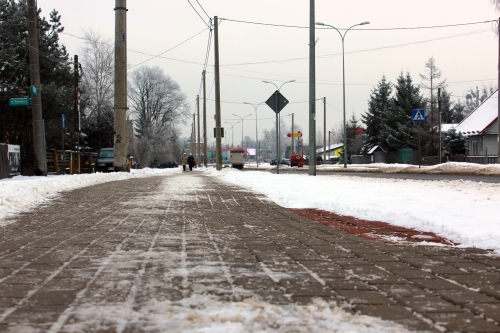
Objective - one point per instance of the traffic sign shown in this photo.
(418, 115)
(20, 102)
(63, 121)
(297, 135)
(281, 101)
(299, 144)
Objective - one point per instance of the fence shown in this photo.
(4, 161)
(474, 159)
(59, 162)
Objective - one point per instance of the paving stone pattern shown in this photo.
(128, 242)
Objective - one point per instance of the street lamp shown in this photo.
(278, 150)
(343, 78)
(242, 126)
(232, 132)
(257, 155)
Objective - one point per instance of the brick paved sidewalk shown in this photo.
(126, 256)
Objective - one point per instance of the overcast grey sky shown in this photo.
(467, 55)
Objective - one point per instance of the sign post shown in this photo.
(277, 102)
(418, 116)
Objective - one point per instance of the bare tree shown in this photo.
(97, 60)
(496, 3)
(158, 105)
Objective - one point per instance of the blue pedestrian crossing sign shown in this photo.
(418, 115)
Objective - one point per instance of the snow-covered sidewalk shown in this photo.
(462, 211)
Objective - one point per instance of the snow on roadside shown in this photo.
(23, 193)
(462, 211)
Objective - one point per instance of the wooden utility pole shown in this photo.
(205, 157)
(293, 136)
(218, 143)
(38, 138)
(76, 117)
(120, 99)
(439, 120)
(312, 92)
(498, 94)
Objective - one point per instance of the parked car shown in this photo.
(169, 164)
(105, 160)
(226, 164)
(273, 162)
(285, 162)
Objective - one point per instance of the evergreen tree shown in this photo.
(55, 76)
(399, 131)
(378, 106)
(454, 142)
(354, 134)
(447, 109)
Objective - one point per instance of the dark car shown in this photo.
(273, 162)
(169, 164)
(285, 162)
(105, 160)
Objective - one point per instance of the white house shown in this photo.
(481, 128)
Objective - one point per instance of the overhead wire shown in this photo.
(156, 56)
(199, 4)
(365, 29)
(198, 13)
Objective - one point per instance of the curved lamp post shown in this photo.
(232, 132)
(242, 126)
(278, 150)
(255, 106)
(343, 78)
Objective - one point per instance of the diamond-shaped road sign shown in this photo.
(282, 101)
(418, 115)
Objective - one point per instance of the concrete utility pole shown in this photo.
(218, 144)
(205, 157)
(293, 136)
(324, 129)
(439, 120)
(38, 138)
(198, 162)
(120, 100)
(312, 92)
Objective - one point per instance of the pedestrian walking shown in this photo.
(190, 162)
(184, 160)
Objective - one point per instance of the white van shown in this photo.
(237, 158)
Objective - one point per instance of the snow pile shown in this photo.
(450, 168)
(22, 193)
(204, 313)
(463, 211)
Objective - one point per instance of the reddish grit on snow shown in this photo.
(374, 230)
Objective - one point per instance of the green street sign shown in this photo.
(20, 102)
(33, 90)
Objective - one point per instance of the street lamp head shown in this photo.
(319, 23)
(364, 23)
(266, 81)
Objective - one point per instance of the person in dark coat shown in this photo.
(191, 162)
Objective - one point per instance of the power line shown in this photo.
(198, 13)
(365, 29)
(156, 56)
(202, 9)
(354, 52)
